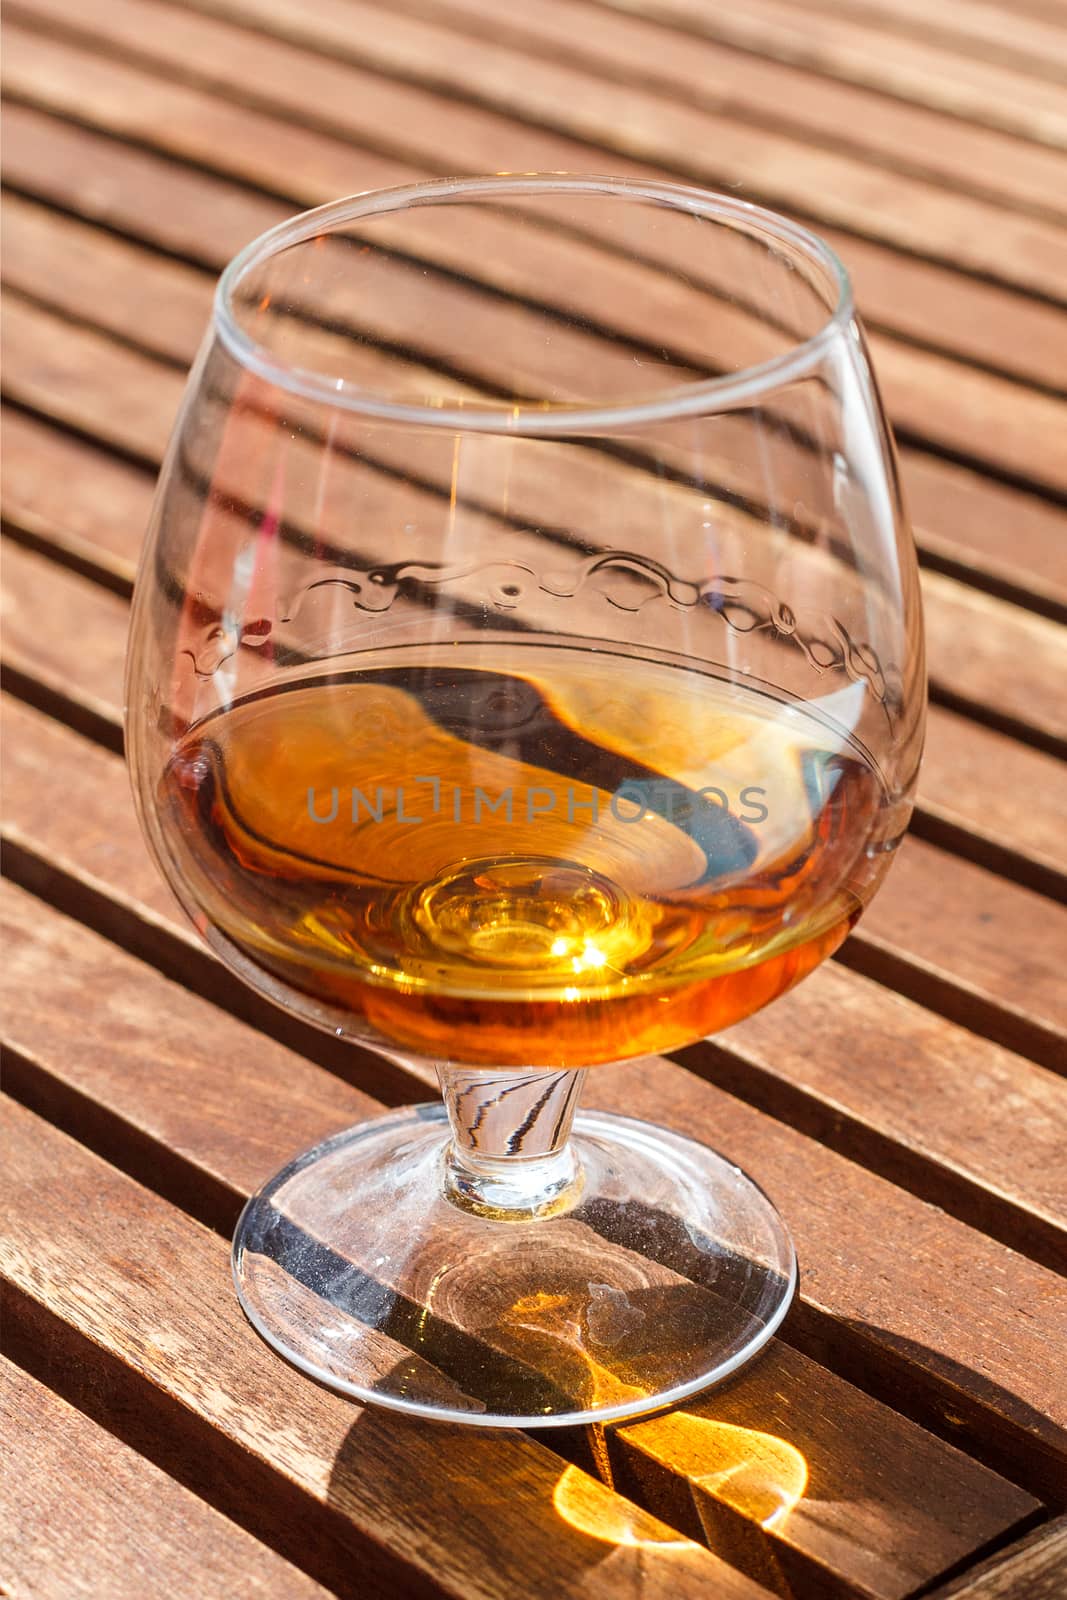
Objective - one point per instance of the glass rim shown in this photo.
(530, 419)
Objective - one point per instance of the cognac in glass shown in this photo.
(526, 675)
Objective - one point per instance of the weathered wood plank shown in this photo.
(984, 413)
(911, 1097)
(45, 654)
(995, 800)
(986, 531)
(900, 1324)
(73, 500)
(1007, 651)
(968, 937)
(78, 269)
(84, 1515)
(857, 1469)
(333, 1482)
(708, 1468)
(1026, 252)
(1033, 1569)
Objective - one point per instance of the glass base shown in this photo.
(664, 1271)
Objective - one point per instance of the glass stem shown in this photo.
(510, 1154)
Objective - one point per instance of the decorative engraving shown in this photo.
(627, 581)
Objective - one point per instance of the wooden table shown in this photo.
(907, 1430)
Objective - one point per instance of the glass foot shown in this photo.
(663, 1271)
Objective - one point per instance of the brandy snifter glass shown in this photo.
(525, 675)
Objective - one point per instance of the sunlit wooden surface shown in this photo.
(905, 1108)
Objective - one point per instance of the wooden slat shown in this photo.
(48, 664)
(155, 1323)
(910, 1096)
(986, 656)
(958, 937)
(1034, 1569)
(886, 1508)
(424, 45)
(1027, 252)
(84, 858)
(86, 1516)
(970, 525)
(970, 788)
(990, 657)
(700, 1471)
(911, 70)
(965, 410)
(74, 500)
(854, 1527)
(981, 530)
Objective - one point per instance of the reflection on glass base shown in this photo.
(669, 1270)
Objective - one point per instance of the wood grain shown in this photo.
(995, 800)
(855, 1525)
(86, 1516)
(968, 936)
(73, 500)
(720, 1464)
(972, 27)
(1034, 1569)
(897, 1311)
(912, 1097)
(901, 1107)
(53, 665)
(984, 415)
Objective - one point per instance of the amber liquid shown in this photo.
(523, 854)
